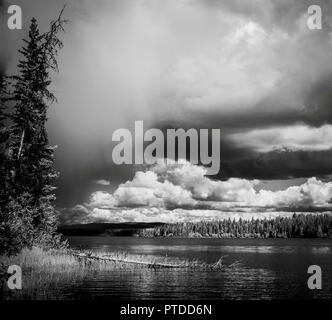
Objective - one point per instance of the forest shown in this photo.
(297, 226)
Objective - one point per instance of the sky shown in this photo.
(252, 69)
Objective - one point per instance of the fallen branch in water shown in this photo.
(195, 264)
(148, 264)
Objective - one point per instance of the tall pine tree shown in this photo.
(29, 203)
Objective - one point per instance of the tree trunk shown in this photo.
(21, 145)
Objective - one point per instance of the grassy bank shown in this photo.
(46, 273)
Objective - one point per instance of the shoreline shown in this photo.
(240, 238)
(179, 237)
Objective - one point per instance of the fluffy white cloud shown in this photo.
(313, 193)
(146, 190)
(102, 199)
(182, 192)
(102, 182)
(296, 137)
(192, 178)
(185, 185)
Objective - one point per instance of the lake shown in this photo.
(269, 269)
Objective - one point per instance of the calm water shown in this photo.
(270, 269)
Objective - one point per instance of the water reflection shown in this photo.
(179, 284)
(323, 250)
(269, 270)
(244, 249)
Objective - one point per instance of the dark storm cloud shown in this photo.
(315, 110)
(318, 100)
(279, 165)
(242, 161)
(78, 182)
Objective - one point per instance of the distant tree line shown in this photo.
(27, 174)
(297, 226)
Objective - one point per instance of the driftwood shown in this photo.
(219, 265)
(148, 264)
